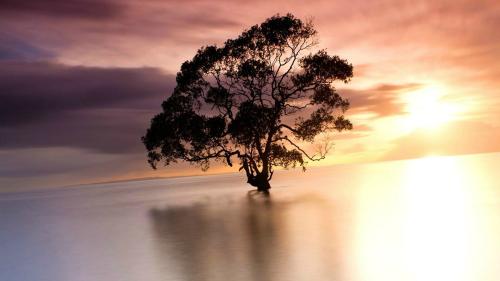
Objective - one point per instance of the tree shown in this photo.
(257, 100)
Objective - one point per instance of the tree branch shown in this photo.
(312, 158)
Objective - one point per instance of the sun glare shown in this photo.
(427, 110)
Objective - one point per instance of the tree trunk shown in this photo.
(264, 186)
(260, 181)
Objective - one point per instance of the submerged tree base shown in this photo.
(264, 188)
(255, 193)
(260, 181)
(264, 191)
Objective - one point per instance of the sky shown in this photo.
(80, 79)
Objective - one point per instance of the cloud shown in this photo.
(101, 109)
(114, 33)
(90, 9)
(12, 48)
(382, 100)
(165, 33)
(460, 137)
(355, 148)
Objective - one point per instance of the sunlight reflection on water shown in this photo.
(435, 218)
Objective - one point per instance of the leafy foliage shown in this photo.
(248, 99)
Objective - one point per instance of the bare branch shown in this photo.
(312, 158)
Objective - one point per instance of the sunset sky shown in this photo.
(80, 79)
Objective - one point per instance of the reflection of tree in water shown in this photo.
(247, 240)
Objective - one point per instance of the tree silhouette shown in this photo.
(257, 99)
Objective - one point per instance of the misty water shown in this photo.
(436, 218)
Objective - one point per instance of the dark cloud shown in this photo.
(12, 48)
(91, 9)
(383, 99)
(120, 33)
(103, 109)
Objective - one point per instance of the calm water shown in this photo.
(428, 219)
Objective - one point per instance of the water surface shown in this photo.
(428, 219)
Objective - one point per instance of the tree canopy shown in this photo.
(255, 101)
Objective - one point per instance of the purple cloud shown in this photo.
(53, 105)
(91, 9)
